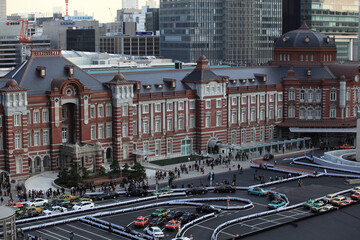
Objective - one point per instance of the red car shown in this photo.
(141, 221)
(172, 225)
(15, 204)
(355, 196)
(346, 146)
(347, 202)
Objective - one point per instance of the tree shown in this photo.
(115, 167)
(126, 168)
(138, 171)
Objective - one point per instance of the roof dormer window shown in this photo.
(69, 70)
(42, 71)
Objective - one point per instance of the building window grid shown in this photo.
(101, 131)
(108, 110)
(218, 103)
(93, 132)
(17, 120)
(218, 119)
(158, 107)
(108, 130)
(100, 111)
(333, 95)
(181, 106)
(192, 104)
(45, 137)
(37, 138)
(45, 116)
(125, 110)
(207, 104)
(169, 146)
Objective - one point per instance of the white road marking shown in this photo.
(91, 232)
(50, 234)
(77, 234)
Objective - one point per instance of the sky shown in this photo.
(97, 8)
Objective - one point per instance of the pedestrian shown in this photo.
(238, 167)
(71, 237)
(275, 163)
(2, 200)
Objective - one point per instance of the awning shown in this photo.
(142, 153)
(213, 142)
(322, 130)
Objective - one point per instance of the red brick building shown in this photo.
(54, 114)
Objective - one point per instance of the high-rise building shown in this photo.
(226, 31)
(339, 19)
(2, 8)
(152, 20)
(191, 28)
(130, 4)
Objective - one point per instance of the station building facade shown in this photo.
(54, 115)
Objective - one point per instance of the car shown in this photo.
(37, 202)
(174, 215)
(61, 202)
(268, 157)
(154, 232)
(316, 205)
(172, 225)
(346, 146)
(207, 209)
(83, 205)
(68, 197)
(276, 204)
(338, 200)
(355, 196)
(15, 204)
(24, 215)
(105, 195)
(55, 210)
(327, 208)
(160, 212)
(309, 203)
(329, 197)
(141, 221)
(224, 189)
(196, 190)
(33, 209)
(355, 189)
(79, 200)
(163, 191)
(274, 195)
(258, 191)
(137, 193)
(188, 217)
(157, 221)
(347, 202)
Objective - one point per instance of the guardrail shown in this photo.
(114, 228)
(296, 161)
(248, 217)
(194, 222)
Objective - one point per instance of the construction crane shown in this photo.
(24, 33)
(67, 7)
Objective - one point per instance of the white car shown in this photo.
(54, 210)
(38, 202)
(154, 231)
(83, 205)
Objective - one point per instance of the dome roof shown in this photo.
(11, 83)
(304, 37)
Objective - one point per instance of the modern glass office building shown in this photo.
(190, 28)
(336, 18)
(226, 31)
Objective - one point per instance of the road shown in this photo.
(312, 188)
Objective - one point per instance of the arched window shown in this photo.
(310, 96)
(302, 95)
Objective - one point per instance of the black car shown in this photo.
(26, 215)
(188, 217)
(196, 190)
(225, 189)
(207, 209)
(137, 193)
(104, 195)
(174, 215)
(157, 221)
(273, 196)
(268, 157)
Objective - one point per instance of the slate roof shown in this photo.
(296, 39)
(28, 77)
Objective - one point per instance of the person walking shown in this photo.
(71, 236)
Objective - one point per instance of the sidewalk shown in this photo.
(43, 181)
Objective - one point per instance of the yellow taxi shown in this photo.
(68, 197)
(338, 200)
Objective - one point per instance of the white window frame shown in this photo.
(192, 104)
(181, 105)
(108, 130)
(125, 110)
(17, 119)
(92, 111)
(332, 113)
(233, 137)
(45, 116)
(17, 140)
(233, 116)
(207, 104)
(93, 132)
(218, 120)
(280, 97)
(207, 121)
(145, 108)
(158, 124)
(146, 126)
(46, 137)
(243, 136)
(243, 100)
(181, 122)
(37, 141)
(108, 111)
(100, 111)
(157, 107)
(169, 146)
(101, 133)
(234, 101)
(169, 106)
(157, 147)
(291, 94)
(192, 121)
(169, 123)
(333, 95)
(253, 99)
(218, 103)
